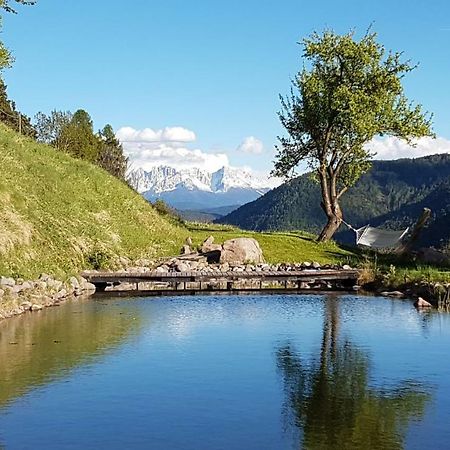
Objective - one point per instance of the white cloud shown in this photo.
(251, 145)
(167, 134)
(394, 148)
(148, 148)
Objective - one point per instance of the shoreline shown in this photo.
(18, 296)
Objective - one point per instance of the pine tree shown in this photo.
(110, 156)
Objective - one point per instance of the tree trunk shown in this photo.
(330, 204)
(421, 222)
(334, 222)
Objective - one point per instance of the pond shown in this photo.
(226, 372)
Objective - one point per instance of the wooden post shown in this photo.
(423, 219)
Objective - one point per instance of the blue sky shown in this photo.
(211, 68)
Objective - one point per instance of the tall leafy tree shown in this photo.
(49, 128)
(73, 134)
(349, 92)
(78, 137)
(110, 155)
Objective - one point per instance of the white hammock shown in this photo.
(376, 238)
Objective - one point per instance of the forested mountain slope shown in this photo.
(392, 194)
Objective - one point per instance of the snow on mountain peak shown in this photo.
(164, 178)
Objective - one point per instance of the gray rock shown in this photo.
(89, 287)
(7, 281)
(240, 251)
(182, 267)
(54, 284)
(74, 282)
(422, 303)
(315, 265)
(346, 267)
(42, 285)
(27, 285)
(17, 288)
(186, 250)
(209, 246)
(194, 265)
(36, 307)
(124, 262)
(396, 294)
(45, 277)
(26, 305)
(61, 294)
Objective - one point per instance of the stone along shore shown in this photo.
(19, 296)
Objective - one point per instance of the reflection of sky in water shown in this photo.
(201, 372)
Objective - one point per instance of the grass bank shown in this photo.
(60, 215)
(278, 247)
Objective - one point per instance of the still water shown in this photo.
(226, 372)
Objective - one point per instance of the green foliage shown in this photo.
(165, 210)
(6, 4)
(110, 156)
(98, 258)
(49, 128)
(10, 116)
(6, 58)
(79, 138)
(350, 92)
(74, 134)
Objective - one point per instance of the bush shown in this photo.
(98, 259)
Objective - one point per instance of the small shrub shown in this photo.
(98, 259)
(165, 210)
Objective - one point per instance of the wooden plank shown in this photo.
(296, 276)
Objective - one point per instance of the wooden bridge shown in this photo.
(157, 283)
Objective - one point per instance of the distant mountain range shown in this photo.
(391, 195)
(200, 190)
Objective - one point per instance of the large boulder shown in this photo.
(240, 251)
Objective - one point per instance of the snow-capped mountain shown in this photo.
(199, 189)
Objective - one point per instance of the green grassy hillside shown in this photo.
(60, 215)
(277, 247)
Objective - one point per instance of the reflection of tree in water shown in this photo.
(332, 403)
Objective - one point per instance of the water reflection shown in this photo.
(330, 401)
(37, 348)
